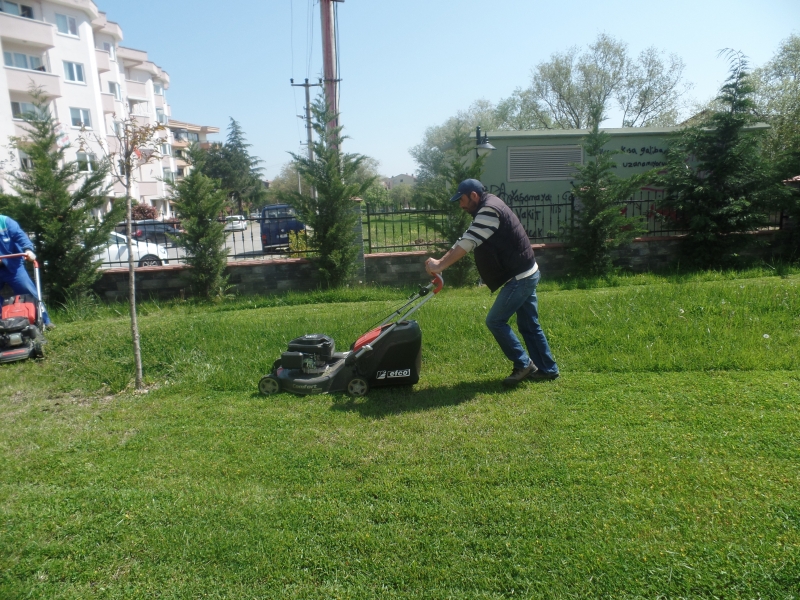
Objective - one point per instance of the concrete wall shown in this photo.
(393, 269)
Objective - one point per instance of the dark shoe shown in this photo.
(542, 376)
(518, 375)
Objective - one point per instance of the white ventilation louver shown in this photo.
(543, 163)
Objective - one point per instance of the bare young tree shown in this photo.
(133, 144)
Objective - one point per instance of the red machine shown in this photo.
(21, 323)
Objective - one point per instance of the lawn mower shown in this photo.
(389, 354)
(21, 323)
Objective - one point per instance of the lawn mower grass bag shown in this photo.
(389, 354)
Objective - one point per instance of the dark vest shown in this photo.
(508, 251)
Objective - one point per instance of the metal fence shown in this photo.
(156, 245)
(387, 229)
(545, 219)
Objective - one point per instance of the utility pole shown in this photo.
(310, 145)
(328, 25)
(308, 112)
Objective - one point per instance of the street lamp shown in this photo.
(482, 145)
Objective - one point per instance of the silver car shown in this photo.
(145, 254)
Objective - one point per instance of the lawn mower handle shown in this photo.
(20, 255)
(438, 283)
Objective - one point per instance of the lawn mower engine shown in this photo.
(389, 354)
(20, 337)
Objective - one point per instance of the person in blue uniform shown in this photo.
(12, 270)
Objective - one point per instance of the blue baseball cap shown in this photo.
(466, 187)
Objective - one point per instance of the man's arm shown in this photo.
(453, 255)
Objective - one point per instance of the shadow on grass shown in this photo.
(383, 402)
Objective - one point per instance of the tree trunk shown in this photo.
(137, 351)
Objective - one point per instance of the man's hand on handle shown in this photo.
(432, 266)
(30, 256)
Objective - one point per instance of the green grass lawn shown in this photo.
(665, 463)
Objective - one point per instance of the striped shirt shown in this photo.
(482, 228)
(485, 225)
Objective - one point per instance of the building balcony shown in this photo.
(103, 61)
(143, 120)
(109, 103)
(149, 188)
(20, 80)
(102, 25)
(136, 89)
(28, 31)
(131, 57)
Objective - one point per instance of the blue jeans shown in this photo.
(20, 282)
(519, 296)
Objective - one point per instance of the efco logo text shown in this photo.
(391, 374)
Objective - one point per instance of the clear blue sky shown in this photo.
(407, 65)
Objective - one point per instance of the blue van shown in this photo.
(277, 220)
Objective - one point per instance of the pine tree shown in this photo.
(199, 200)
(65, 233)
(330, 213)
(238, 172)
(718, 182)
(599, 225)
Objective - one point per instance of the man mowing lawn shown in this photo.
(504, 258)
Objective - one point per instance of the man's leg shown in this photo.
(20, 282)
(531, 331)
(506, 304)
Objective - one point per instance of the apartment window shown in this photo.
(181, 171)
(67, 25)
(114, 88)
(20, 110)
(73, 71)
(169, 176)
(165, 150)
(178, 153)
(158, 89)
(160, 116)
(87, 163)
(81, 117)
(25, 162)
(111, 49)
(20, 10)
(193, 137)
(23, 61)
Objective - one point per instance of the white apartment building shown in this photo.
(72, 52)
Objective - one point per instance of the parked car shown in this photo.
(277, 220)
(235, 223)
(151, 230)
(145, 254)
